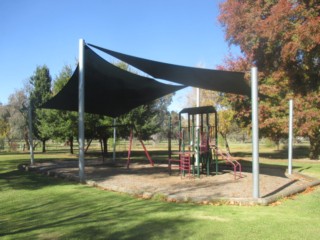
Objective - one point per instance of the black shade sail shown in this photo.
(216, 80)
(109, 90)
(112, 91)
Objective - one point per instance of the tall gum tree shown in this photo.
(282, 38)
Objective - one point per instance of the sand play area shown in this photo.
(143, 180)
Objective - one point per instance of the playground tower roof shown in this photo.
(198, 110)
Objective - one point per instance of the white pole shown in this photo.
(255, 131)
(198, 99)
(197, 131)
(114, 139)
(81, 110)
(290, 142)
(30, 134)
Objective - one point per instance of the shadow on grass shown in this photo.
(280, 188)
(91, 214)
(299, 152)
(19, 180)
(266, 169)
(148, 229)
(42, 224)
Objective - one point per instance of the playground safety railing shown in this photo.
(230, 160)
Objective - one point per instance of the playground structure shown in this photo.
(196, 136)
(198, 143)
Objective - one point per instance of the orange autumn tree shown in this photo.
(281, 38)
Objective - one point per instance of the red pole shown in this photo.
(146, 152)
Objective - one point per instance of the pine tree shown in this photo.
(40, 93)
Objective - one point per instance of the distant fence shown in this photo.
(21, 146)
(15, 145)
(122, 145)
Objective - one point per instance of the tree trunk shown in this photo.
(88, 145)
(71, 144)
(314, 147)
(35, 144)
(243, 138)
(227, 145)
(226, 141)
(278, 144)
(43, 146)
(26, 140)
(105, 145)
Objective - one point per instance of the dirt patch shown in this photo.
(146, 181)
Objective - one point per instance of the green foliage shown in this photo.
(144, 118)
(99, 127)
(4, 128)
(40, 93)
(148, 119)
(226, 124)
(64, 124)
(174, 125)
(62, 79)
(41, 86)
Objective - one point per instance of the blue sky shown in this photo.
(38, 32)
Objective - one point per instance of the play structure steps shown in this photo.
(183, 164)
(226, 156)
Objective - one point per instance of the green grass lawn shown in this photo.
(39, 207)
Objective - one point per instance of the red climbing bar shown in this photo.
(146, 152)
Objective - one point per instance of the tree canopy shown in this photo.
(13, 118)
(282, 38)
(148, 119)
(63, 123)
(40, 83)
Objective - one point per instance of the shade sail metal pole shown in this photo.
(290, 142)
(81, 110)
(255, 132)
(114, 139)
(169, 137)
(30, 134)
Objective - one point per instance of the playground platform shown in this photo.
(144, 181)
